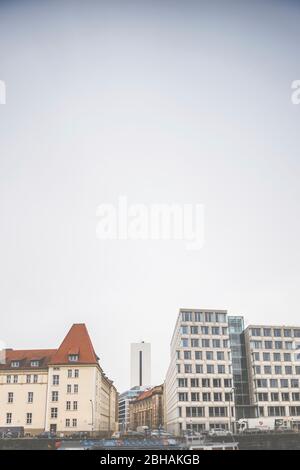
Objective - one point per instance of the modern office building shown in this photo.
(140, 361)
(273, 363)
(61, 390)
(199, 390)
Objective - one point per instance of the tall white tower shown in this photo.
(140, 361)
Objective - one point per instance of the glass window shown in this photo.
(255, 331)
(53, 413)
(198, 317)
(195, 396)
(209, 355)
(55, 380)
(267, 332)
(187, 354)
(209, 317)
(284, 383)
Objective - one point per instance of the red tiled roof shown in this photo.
(76, 342)
(149, 393)
(144, 395)
(26, 356)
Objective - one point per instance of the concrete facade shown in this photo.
(273, 356)
(199, 382)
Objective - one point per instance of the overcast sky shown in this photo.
(163, 102)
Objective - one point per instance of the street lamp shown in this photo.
(92, 405)
(230, 410)
(254, 383)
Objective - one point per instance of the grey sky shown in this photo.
(161, 101)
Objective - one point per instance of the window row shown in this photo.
(277, 370)
(275, 396)
(54, 398)
(276, 332)
(203, 355)
(16, 364)
(275, 357)
(28, 418)
(275, 411)
(204, 330)
(14, 379)
(203, 369)
(200, 411)
(204, 383)
(204, 343)
(271, 345)
(276, 383)
(10, 397)
(209, 317)
(205, 397)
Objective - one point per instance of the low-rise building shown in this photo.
(60, 390)
(124, 401)
(148, 409)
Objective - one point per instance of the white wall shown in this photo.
(136, 348)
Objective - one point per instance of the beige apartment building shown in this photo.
(273, 356)
(199, 393)
(62, 390)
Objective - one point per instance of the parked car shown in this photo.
(220, 432)
(46, 435)
(78, 435)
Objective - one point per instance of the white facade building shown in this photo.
(140, 365)
(199, 383)
(273, 355)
